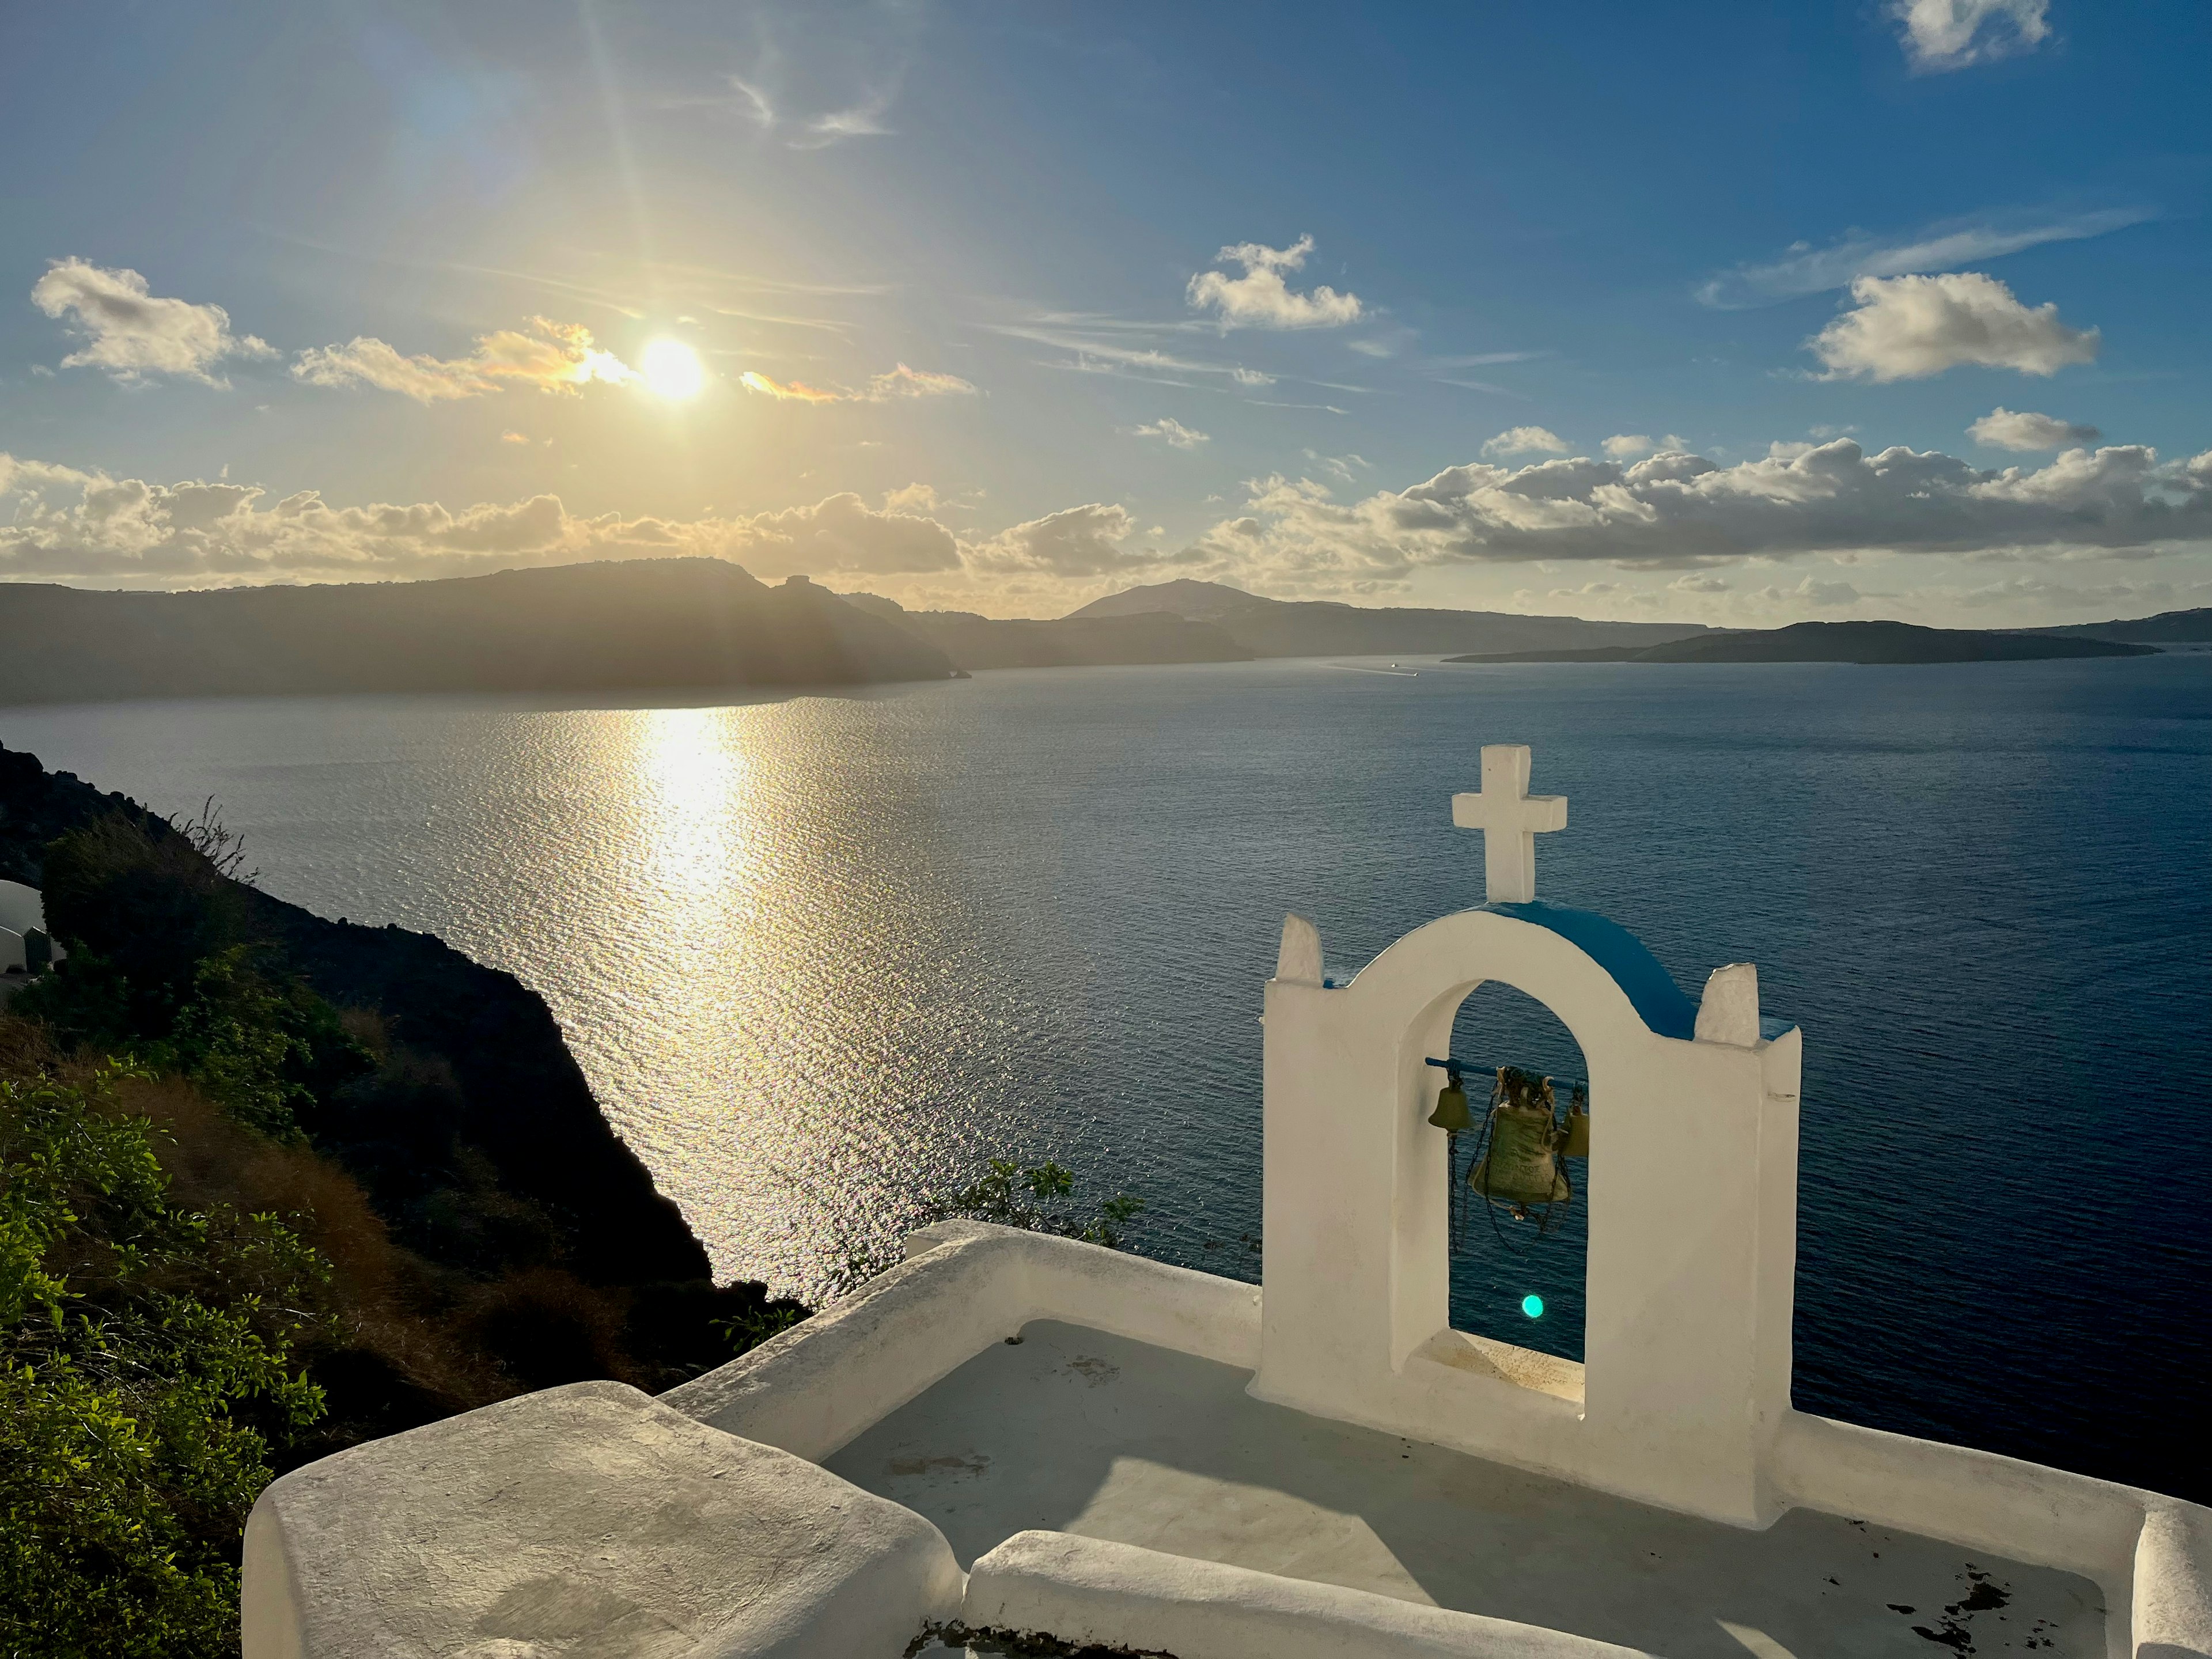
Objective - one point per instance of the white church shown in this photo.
(1035, 1445)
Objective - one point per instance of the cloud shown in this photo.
(1627, 446)
(1177, 435)
(1260, 299)
(1907, 328)
(1941, 246)
(919, 498)
(1683, 511)
(513, 438)
(1941, 35)
(891, 385)
(752, 102)
(864, 120)
(86, 525)
(2008, 428)
(549, 355)
(1526, 441)
(130, 332)
(1075, 542)
(1099, 345)
(904, 382)
(798, 390)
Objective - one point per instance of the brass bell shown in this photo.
(1452, 1113)
(1577, 1125)
(1521, 1164)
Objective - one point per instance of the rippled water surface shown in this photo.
(820, 954)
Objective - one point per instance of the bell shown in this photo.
(1452, 1113)
(1577, 1126)
(1521, 1164)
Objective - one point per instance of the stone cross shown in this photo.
(1511, 819)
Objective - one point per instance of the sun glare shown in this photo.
(672, 369)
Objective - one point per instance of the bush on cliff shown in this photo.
(146, 1376)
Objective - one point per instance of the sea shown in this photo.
(825, 954)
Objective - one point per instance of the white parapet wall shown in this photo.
(964, 1286)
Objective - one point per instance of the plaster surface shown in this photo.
(584, 1523)
(1102, 1437)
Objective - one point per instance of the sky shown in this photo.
(1737, 313)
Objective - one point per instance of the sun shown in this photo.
(672, 369)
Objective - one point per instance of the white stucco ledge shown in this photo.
(964, 1286)
(1087, 1590)
(584, 1522)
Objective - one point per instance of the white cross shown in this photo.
(1511, 819)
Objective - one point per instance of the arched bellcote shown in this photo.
(1692, 1191)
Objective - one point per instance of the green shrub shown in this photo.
(143, 1381)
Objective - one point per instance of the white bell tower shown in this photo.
(1693, 1195)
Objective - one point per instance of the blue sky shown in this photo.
(1741, 313)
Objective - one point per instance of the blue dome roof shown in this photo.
(1649, 988)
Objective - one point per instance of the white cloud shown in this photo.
(1940, 35)
(1683, 511)
(1260, 298)
(1942, 246)
(1526, 441)
(915, 498)
(2009, 428)
(549, 355)
(1626, 446)
(1177, 435)
(1907, 328)
(130, 332)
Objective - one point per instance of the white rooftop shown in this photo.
(1167, 1461)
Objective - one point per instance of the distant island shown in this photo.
(634, 624)
(1842, 642)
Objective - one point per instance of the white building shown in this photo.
(24, 946)
(1011, 1433)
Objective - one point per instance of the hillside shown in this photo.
(634, 624)
(1312, 627)
(976, 641)
(2167, 628)
(1841, 642)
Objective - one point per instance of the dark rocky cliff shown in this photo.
(506, 1086)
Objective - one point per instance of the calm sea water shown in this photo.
(822, 954)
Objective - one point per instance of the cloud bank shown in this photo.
(1261, 299)
(130, 332)
(1673, 510)
(1908, 328)
(1676, 509)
